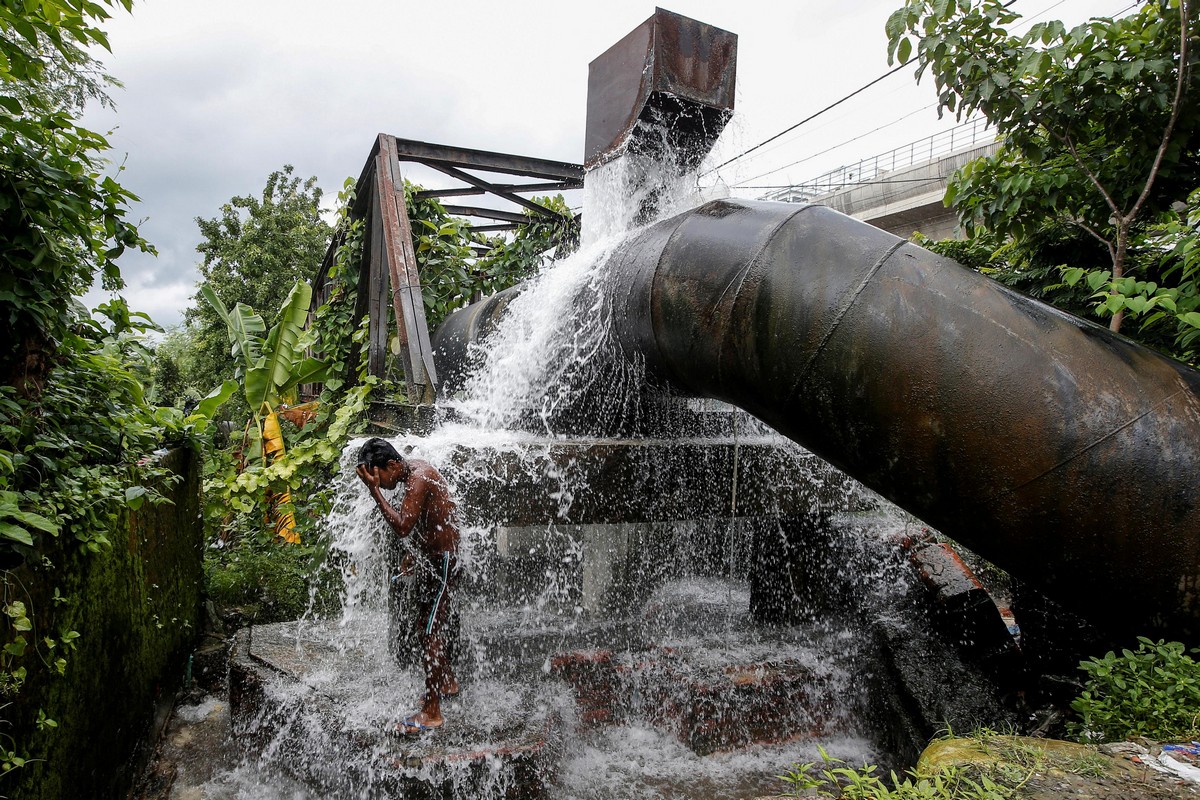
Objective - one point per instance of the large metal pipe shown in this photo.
(453, 338)
(1065, 454)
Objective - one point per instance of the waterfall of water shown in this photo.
(605, 633)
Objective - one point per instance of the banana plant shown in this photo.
(271, 370)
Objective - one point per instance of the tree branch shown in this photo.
(1091, 176)
(1078, 223)
(1184, 19)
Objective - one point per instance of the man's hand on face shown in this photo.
(368, 475)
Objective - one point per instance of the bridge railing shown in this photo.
(962, 137)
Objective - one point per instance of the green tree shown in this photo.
(62, 220)
(1097, 123)
(174, 374)
(76, 433)
(254, 252)
(458, 266)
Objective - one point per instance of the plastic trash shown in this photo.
(1191, 749)
(1185, 771)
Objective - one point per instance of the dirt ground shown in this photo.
(1135, 773)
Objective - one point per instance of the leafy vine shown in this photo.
(458, 266)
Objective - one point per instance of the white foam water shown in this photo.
(533, 366)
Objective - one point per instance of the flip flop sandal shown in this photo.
(410, 728)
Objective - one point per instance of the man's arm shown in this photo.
(401, 520)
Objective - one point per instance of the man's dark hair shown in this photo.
(378, 453)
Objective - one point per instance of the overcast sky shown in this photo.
(219, 93)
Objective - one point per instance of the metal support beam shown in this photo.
(377, 282)
(389, 262)
(488, 187)
(467, 191)
(437, 155)
(487, 213)
(411, 327)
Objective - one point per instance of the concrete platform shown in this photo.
(324, 715)
(643, 480)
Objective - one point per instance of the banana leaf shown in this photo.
(216, 398)
(243, 325)
(274, 369)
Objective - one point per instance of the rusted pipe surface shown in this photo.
(1065, 454)
(453, 338)
(668, 83)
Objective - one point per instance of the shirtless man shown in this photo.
(427, 515)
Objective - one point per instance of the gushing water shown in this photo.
(542, 355)
(625, 646)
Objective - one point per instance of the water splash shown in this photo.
(542, 355)
(668, 601)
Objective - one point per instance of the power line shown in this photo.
(836, 146)
(864, 87)
(809, 118)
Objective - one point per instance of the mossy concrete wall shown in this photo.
(137, 608)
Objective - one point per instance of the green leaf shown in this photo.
(242, 325)
(1097, 278)
(310, 370)
(135, 496)
(1071, 276)
(216, 398)
(16, 534)
(264, 381)
(29, 519)
(1136, 304)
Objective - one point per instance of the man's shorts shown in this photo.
(435, 588)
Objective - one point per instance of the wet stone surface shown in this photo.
(292, 704)
(710, 708)
(194, 748)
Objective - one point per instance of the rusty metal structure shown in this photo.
(389, 282)
(1063, 453)
(667, 84)
(671, 73)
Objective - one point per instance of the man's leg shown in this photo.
(434, 663)
(439, 678)
(439, 674)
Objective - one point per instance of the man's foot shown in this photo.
(418, 724)
(451, 690)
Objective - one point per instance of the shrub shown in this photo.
(831, 780)
(1153, 692)
(264, 581)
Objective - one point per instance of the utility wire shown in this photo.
(813, 116)
(834, 147)
(809, 118)
(856, 92)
